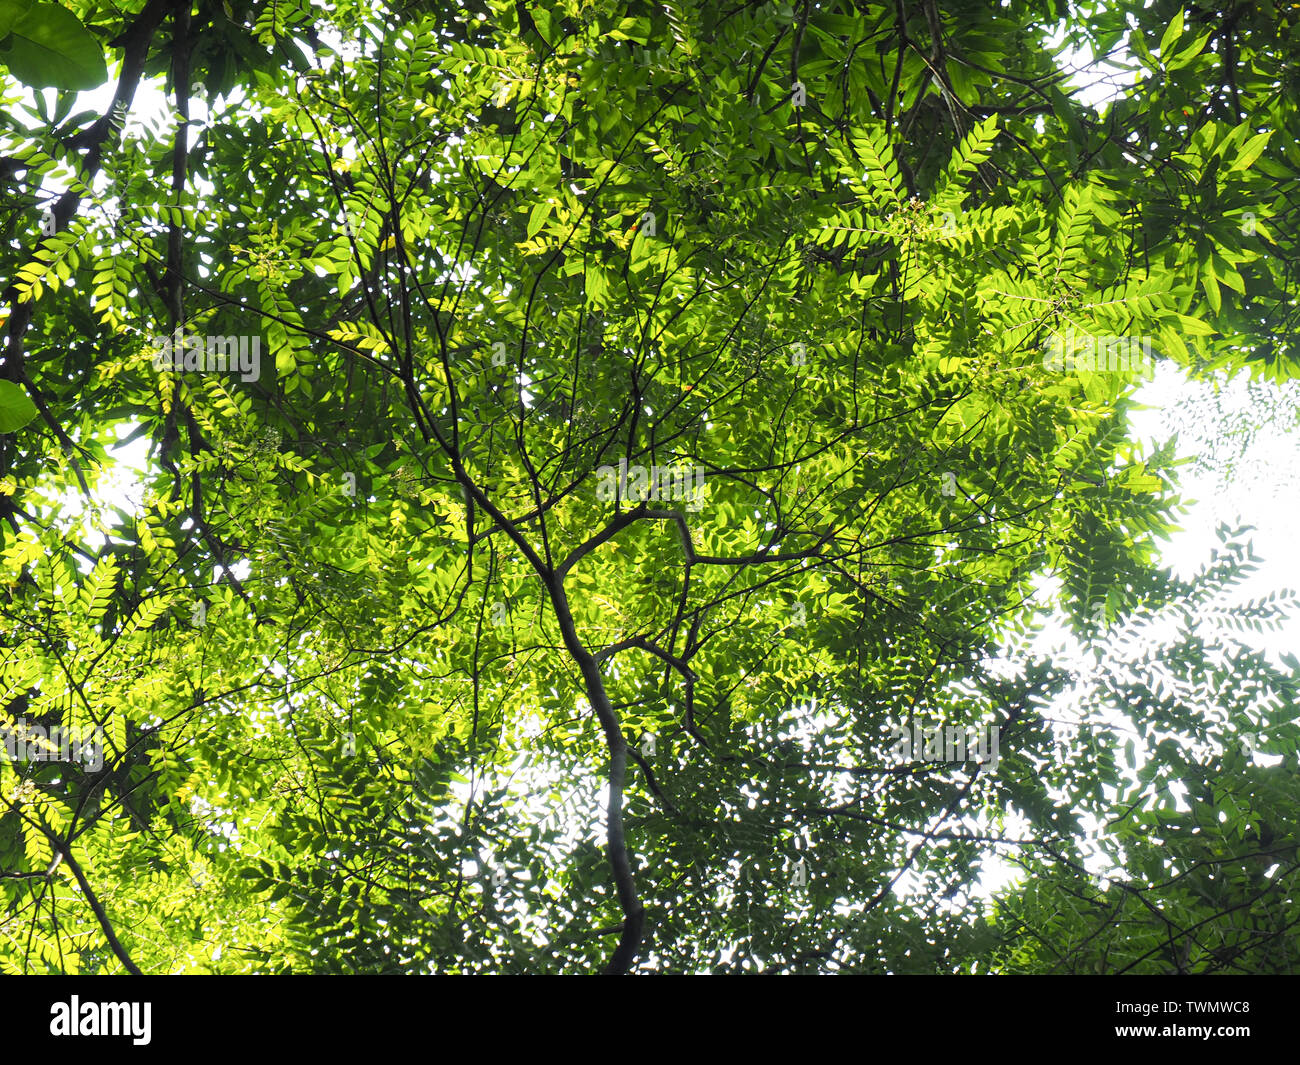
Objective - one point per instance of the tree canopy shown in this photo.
(583, 436)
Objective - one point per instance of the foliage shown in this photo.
(394, 672)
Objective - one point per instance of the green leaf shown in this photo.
(1211, 285)
(537, 218)
(1250, 151)
(10, 12)
(1143, 53)
(16, 407)
(1190, 52)
(51, 48)
(1064, 111)
(1172, 32)
(1194, 326)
